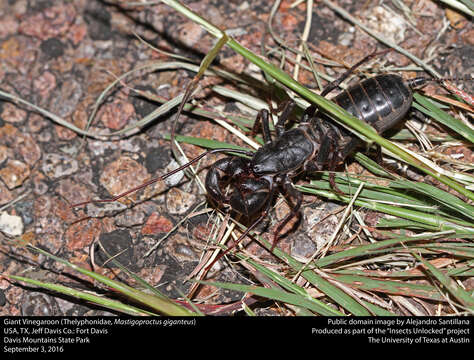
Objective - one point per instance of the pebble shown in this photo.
(25, 210)
(53, 243)
(181, 249)
(174, 179)
(77, 32)
(8, 26)
(132, 217)
(73, 192)
(39, 304)
(98, 22)
(28, 149)
(12, 113)
(44, 84)
(302, 247)
(321, 231)
(5, 195)
(179, 202)
(98, 147)
(36, 123)
(41, 26)
(20, 143)
(104, 209)
(385, 22)
(123, 174)
(81, 234)
(62, 209)
(153, 275)
(52, 48)
(63, 133)
(40, 186)
(48, 224)
(117, 114)
(156, 224)
(133, 144)
(346, 38)
(11, 225)
(118, 245)
(190, 33)
(14, 173)
(58, 165)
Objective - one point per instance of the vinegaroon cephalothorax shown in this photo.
(317, 143)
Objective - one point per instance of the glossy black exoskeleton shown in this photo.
(316, 144)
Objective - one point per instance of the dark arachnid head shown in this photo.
(285, 154)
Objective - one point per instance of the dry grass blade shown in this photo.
(466, 6)
(463, 296)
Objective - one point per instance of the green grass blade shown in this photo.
(370, 192)
(423, 104)
(290, 286)
(464, 297)
(138, 279)
(206, 143)
(461, 271)
(384, 246)
(372, 166)
(446, 199)
(403, 193)
(469, 4)
(451, 249)
(403, 224)
(391, 287)
(377, 310)
(431, 222)
(160, 304)
(332, 291)
(277, 295)
(87, 296)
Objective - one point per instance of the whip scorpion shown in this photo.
(254, 179)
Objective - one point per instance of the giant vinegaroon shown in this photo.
(317, 143)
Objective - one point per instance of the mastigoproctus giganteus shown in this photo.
(317, 143)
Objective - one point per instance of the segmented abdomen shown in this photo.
(380, 101)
